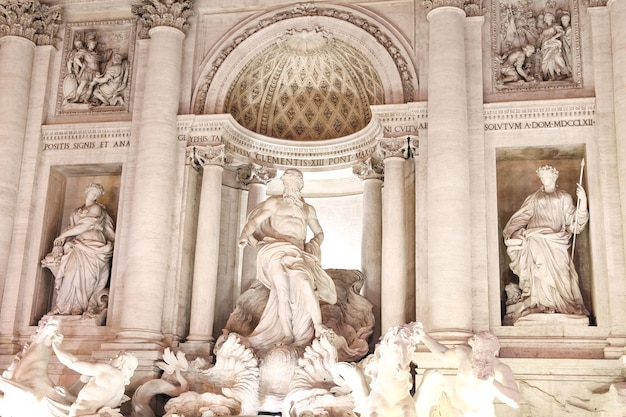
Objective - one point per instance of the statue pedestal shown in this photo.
(543, 319)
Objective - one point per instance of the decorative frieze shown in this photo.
(173, 13)
(31, 20)
(102, 137)
(553, 114)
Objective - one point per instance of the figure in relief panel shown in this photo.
(538, 238)
(553, 65)
(543, 33)
(288, 266)
(81, 258)
(480, 379)
(95, 76)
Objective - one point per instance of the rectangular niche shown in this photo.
(66, 192)
(516, 179)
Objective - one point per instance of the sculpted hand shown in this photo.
(580, 192)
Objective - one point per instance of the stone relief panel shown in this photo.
(536, 45)
(96, 67)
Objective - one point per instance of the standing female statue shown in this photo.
(81, 258)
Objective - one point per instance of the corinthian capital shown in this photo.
(201, 156)
(371, 168)
(173, 13)
(30, 19)
(402, 147)
(255, 174)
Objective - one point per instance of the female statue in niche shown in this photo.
(538, 240)
(81, 258)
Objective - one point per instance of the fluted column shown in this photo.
(371, 172)
(156, 156)
(255, 177)
(394, 226)
(449, 244)
(210, 159)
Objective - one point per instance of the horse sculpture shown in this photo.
(26, 387)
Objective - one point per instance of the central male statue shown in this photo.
(288, 266)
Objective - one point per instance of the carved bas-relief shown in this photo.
(538, 238)
(81, 260)
(97, 68)
(28, 390)
(535, 44)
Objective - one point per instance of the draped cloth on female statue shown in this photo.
(541, 260)
(307, 283)
(85, 265)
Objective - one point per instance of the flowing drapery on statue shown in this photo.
(288, 267)
(81, 258)
(538, 240)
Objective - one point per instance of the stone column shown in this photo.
(210, 159)
(27, 26)
(371, 172)
(255, 177)
(156, 166)
(610, 213)
(394, 226)
(449, 239)
(617, 13)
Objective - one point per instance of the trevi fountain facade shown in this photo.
(353, 208)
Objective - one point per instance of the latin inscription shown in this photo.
(66, 146)
(539, 125)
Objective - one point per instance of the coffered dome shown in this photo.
(306, 86)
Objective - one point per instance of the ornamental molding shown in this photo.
(595, 3)
(312, 10)
(207, 155)
(551, 114)
(370, 168)
(471, 7)
(153, 13)
(398, 147)
(31, 20)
